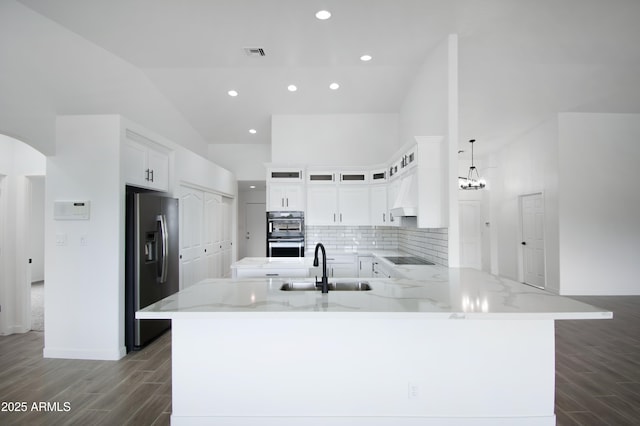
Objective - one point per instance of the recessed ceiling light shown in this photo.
(252, 186)
(323, 15)
(292, 88)
(365, 58)
(334, 86)
(253, 131)
(232, 93)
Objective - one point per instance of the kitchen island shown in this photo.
(455, 347)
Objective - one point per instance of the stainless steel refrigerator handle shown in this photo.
(164, 238)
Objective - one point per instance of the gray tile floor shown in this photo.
(597, 377)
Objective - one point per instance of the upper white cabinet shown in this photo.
(322, 205)
(354, 177)
(353, 205)
(145, 163)
(413, 184)
(379, 210)
(285, 189)
(285, 197)
(285, 174)
(433, 211)
(321, 177)
(378, 175)
(338, 204)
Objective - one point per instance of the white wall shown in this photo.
(528, 165)
(599, 204)
(424, 111)
(196, 170)
(334, 139)
(246, 161)
(84, 292)
(47, 69)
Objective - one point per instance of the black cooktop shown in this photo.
(408, 260)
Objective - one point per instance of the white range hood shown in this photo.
(406, 203)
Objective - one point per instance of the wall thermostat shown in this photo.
(71, 210)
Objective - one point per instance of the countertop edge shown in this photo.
(540, 316)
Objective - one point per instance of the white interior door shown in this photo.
(470, 215)
(192, 261)
(227, 235)
(256, 230)
(212, 233)
(532, 210)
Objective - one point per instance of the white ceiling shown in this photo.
(521, 60)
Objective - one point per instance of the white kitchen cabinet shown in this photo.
(353, 205)
(285, 174)
(354, 177)
(365, 266)
(379, 210)
(341, 266)
(343, 270)
(322, 205)
(145, 163)
(321, 177)
(378, 175)
(346, 205)
(285, 197)
(338, 266)
(410, 158)
(270, 272)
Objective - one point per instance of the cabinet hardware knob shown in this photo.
(523, 243)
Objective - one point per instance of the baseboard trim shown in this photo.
(70, 353)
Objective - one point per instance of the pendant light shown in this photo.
(473, 180)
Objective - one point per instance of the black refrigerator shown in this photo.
(151, 261)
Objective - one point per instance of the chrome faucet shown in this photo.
(323, 283)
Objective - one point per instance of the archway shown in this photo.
(22, 171)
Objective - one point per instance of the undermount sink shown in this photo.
(335, 286)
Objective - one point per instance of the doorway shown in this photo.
(532, 264)
(36, 249)
(256, 231)
(470, 214)
(22, 171)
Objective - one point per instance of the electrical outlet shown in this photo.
(413, 390)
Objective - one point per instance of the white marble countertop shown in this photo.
(438, 293)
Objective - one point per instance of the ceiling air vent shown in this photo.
(254, 51)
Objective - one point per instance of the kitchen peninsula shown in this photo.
(448, 347)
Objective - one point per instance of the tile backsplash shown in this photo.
(430, 244)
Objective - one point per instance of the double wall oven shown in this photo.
(285, 234)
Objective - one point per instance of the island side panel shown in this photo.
(472, 370)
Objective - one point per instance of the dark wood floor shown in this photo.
(133, 391)
(598, 366)
(597, 377)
